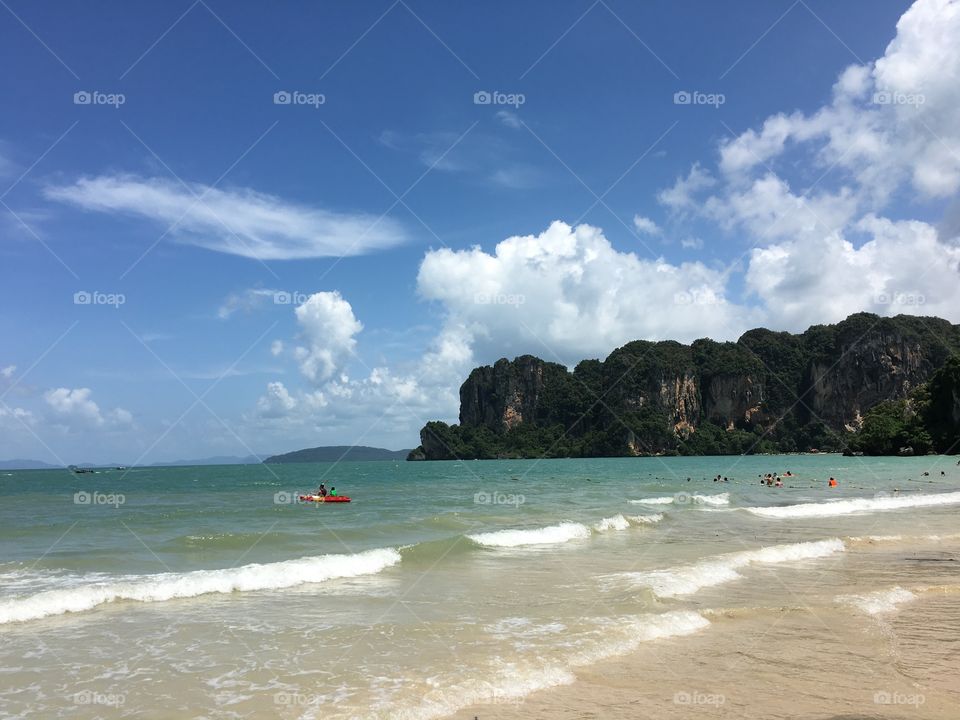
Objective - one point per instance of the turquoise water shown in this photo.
(208, 591)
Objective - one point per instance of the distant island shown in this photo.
(21, 464)
(867, 385)
(333, 453)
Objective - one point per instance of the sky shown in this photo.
(232, 228)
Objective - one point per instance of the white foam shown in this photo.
(509, 685)
(617, 522)
(683, 498)
(856, 505)
(551, 535)
(168, 586)
(509, 682)
(633, 631)
(688, 579)
(645, 519)
(719, 499)
(879, 602)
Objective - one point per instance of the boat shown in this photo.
(322, 498)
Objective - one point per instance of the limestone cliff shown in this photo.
(766, 392)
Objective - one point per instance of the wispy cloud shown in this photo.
(239, 221)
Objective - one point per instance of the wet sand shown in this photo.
(810, 663)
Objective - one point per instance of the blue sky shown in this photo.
(304, 274)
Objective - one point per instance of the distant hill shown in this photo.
(215, 460)
(333, 453)
(19, 464)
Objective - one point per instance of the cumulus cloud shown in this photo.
(276, 347)
(891, 122)
(277, 402)
(903, 268)
(328, 328)
(238, 221)
(568, 293)
(8, 371)
(75, 405)
(817, 254)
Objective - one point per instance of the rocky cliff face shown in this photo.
(656, 397)
(881, 365)
(733, 401)
(504, 395)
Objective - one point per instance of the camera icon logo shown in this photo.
(81, 498)
(283, 498)
(482, 97)
(682, 97)
(884, 97)
(282, 97)
(282, 297)
(82, 97)
(82, 297)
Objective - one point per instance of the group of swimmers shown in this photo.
(774, 479)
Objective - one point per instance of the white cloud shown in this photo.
(239, 221)
(510, 119)
(896, 121)
(516, 177)
(277, 402)
(568, 294)
(645, 225)
(903, 268)
(328, 327)
(17, 417)
(246, 301)
(8, 371)
(692, 243)
(276, 347)
(681, 196)
(77, 406)
(120, 416)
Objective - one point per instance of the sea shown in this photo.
(628, 587)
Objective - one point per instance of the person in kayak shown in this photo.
(322, 491)
(333, 492)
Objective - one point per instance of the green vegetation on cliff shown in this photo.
(868, 384)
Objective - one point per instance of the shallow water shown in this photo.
(205, 592)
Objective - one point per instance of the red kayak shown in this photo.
(321, 498)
